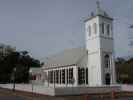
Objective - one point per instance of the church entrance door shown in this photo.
(107, 79)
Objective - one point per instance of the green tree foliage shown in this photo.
(124, 70)
(22, 61)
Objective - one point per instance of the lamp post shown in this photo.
(14, 74)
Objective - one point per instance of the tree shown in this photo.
(124, 70)
(22, 61)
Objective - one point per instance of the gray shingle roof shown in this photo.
(67, 57)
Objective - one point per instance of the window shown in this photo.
(70, 75)
(107, 61)
(33, 77)
(86, 75)
(63, 76)
(81, 75)
(60, 76)
(108, 29)
(95, 28)
(57, 76)
(51, 76)
(89, 30)
(102, 27)
(107, 79)
(67, 71)
(54, 76)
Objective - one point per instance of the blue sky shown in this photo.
(45, 27)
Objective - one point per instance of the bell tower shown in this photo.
(100, 48)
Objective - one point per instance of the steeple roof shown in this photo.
(99, 12)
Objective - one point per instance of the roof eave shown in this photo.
(59, 66)
(109, 18)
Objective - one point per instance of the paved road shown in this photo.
(12, 97)
(127, 98)
(9, 95)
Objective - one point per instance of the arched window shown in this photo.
(107, 79)
(102, 27)
(89, 30)
(95, 28)
(107, 61)
(108, 29)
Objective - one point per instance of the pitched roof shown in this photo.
(67, 57)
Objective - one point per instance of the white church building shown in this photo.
(91, 66)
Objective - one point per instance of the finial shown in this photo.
(98, 10)
(98, 4)
(92, 14)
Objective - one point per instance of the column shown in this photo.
(68, 76)
(53, 79)
(113, 70)
(58, 76)
(75, 75)
(48, 78)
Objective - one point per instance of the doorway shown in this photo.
(107, 79)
